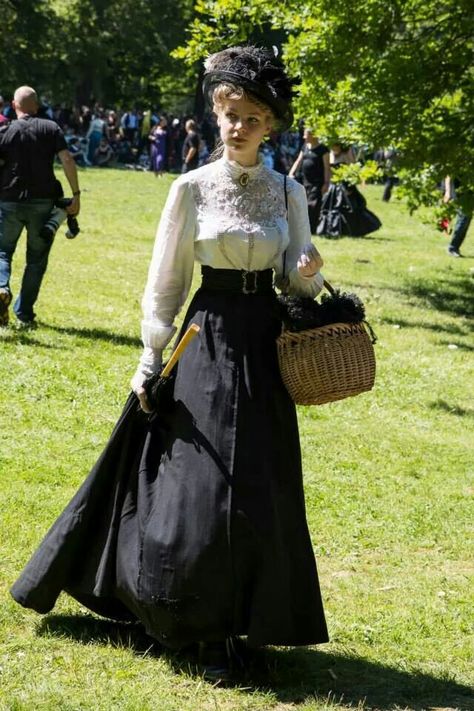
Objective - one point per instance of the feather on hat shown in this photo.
(258, 72)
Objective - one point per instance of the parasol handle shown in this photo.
(192, 331)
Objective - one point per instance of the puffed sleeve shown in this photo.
(300, 237)
(169, 276)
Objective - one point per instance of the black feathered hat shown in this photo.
(258, 72)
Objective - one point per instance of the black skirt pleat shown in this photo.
(193, 521)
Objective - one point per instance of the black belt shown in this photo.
(237, 281)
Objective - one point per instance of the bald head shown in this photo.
(25, 100)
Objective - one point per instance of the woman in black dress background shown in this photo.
(344, 209)
(313, 164)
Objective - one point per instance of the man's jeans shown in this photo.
(461, 227)
(31, 214)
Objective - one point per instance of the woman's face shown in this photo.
(243, 125)
(308, 135)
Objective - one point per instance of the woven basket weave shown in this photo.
(327, 363)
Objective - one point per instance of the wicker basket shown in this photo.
(327, 363)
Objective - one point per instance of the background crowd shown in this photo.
(155, 140)
(149, 139)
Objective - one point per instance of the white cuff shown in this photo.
(150, 362)
(156, 335)
(305, 286)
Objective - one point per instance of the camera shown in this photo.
(55, 219)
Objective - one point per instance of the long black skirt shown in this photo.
(193, 521)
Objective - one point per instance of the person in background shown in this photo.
(175, 146)
(203, 152)
(85, 118)
(208, 132)
(267, 155)
(289, 150)
(190, 153)
(104, 154)
(159, 147)
(28, 189)
(463, 218)
(111, 126)
(95, 134)
(148, 122)
(77, 147)
(341, 155)
(344, 209)
(313, 160)
(390, 177)
(3, 118)
(129, 125)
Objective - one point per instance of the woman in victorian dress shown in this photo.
(344, 209)
(193, 521)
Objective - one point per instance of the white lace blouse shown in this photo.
(209, 217)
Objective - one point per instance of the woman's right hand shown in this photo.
(310, 262)
(138, 388)
(144, 404)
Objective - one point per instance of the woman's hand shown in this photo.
(310, 262)
(144, 404)
(137, 387)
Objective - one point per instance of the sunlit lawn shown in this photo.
(388, 475)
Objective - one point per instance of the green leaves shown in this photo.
(355, 173)
(117, 52)
(380, 72)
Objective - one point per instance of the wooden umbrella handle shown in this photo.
(191, 332)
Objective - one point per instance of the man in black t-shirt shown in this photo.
(28, 189)
(190, 147)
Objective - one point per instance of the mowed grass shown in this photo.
(388, 475)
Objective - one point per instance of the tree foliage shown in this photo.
(382, 72)
(114, 51)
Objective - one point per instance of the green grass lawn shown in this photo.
(388, 475)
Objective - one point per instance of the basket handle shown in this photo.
(332, 290)
(328, 286)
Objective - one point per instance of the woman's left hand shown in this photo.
(310, 261)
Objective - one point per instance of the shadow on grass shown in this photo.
(444, 406)
(404, 323)
(452, 296)
(342, 237)
(97, 334)
(293, 675)
(457, 344)
(25, 339)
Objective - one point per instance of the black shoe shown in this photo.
(5, 300)
(215, 662)
(26, 325)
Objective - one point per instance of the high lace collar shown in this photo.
(235, 170)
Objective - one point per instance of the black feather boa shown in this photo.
(299, 313)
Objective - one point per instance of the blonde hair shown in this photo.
(223, 92)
